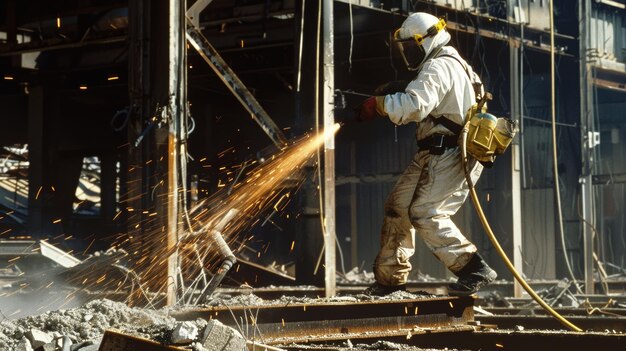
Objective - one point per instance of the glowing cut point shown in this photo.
(332, 131)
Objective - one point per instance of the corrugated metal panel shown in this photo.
(612, 225)
(457, 4)
(608, 32)
(538, 233)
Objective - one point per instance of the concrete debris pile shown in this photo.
(82, 326)
(82, 329)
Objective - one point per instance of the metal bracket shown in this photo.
(194, 11)
(234, 84)
(593, 139)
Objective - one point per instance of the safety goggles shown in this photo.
(411, 48)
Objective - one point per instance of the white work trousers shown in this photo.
(432, 189)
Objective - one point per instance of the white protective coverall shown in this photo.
(433, 187)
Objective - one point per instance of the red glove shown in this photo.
(370, 109)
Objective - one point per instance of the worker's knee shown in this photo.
(426, 217)
(394, 210)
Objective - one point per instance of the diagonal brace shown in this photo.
(194, 11)
(226, 74)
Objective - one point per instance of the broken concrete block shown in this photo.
(38, 338)
(87, 317)
(184, 333)
(219, 337)
(51, 346)
(24, 345)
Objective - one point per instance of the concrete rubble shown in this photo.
(184, 333)
(81, 329)
(38, 338)
(24, 345)
(219, 337)
(84, 325)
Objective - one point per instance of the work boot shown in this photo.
(377, 289)
(472, 277)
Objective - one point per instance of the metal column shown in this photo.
(328, 107)
(177, 72)
(157, 93)
(587, 142)
(516, 98)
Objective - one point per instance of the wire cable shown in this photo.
(299, 75)
(555, 163)
(351, 36)
(497, 245)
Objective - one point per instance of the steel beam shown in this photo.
(340, 320)
(234, 84)
(536, 340)
(116, 341)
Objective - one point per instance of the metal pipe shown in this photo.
(329, 148)
(223, 251)
(226, 264)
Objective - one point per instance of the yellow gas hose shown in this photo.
(496, 244)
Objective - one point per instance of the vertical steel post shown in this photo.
(515, 64)
(586, 142)
(329, 147)
(176, 66)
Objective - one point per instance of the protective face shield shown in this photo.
(416, 38)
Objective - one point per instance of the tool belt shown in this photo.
(437, 144)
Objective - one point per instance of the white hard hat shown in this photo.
(420, 34)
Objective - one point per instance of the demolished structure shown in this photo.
(186, 175)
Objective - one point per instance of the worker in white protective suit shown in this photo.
(433, 186)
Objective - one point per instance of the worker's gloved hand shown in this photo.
(395, 86)
(370, 109)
